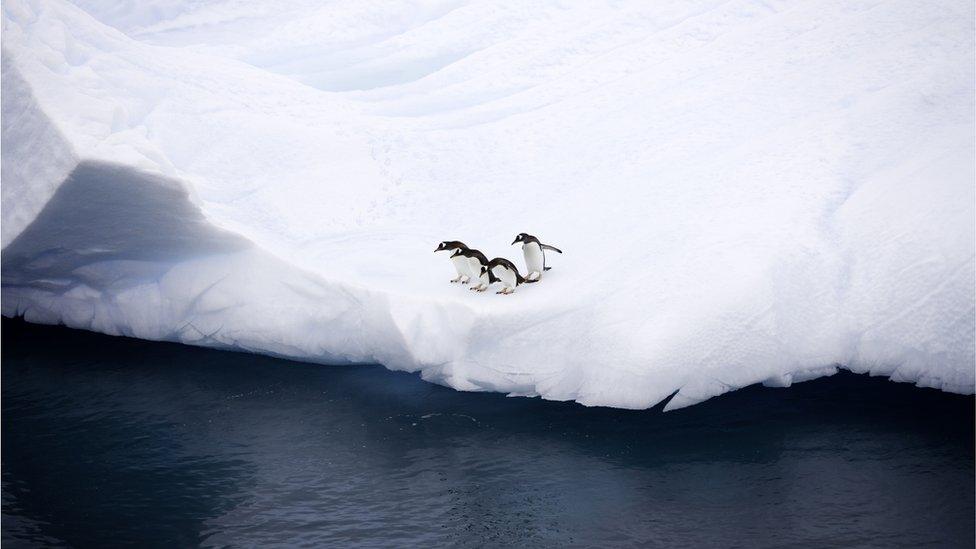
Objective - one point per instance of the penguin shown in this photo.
(476, 260)
(505, 272)
(461, 264)
(535, 256)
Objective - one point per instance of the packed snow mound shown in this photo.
(745, 191)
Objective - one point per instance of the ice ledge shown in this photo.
(122, 252)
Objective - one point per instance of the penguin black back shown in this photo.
(471, 252)
(502, 262)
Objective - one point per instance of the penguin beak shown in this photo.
(437, 250)
(514, 242)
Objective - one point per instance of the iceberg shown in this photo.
(746, 192)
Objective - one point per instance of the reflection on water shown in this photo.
(111, 440)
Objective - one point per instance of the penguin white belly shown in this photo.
(534, 259)
(474, 266)
(461, 265)
(506, 276)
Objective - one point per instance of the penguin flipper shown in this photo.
(547, 247)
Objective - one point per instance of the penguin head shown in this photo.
(519, 238)
(450, 245)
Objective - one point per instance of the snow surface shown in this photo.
(745, 191)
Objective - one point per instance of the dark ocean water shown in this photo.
(112, 441)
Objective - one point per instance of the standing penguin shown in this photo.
(461, 264)
(505, 272)
(535, 255)
(476, 260)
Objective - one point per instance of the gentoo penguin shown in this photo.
(505, 272)
(461, 264)
(476, 260)
(535, 255)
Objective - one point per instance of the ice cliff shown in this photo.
(745, 191)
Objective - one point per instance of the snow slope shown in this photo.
(746, 191)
